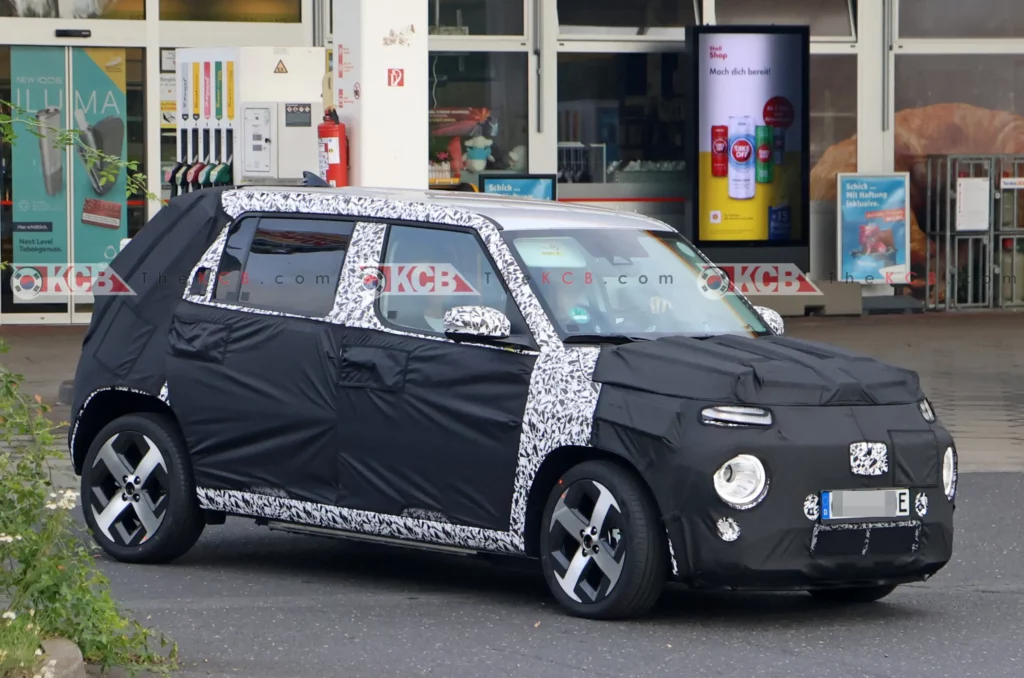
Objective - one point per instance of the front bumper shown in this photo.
(783, 543)
(724, 548)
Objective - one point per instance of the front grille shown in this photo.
(865, 539)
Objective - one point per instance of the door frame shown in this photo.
(22, 32)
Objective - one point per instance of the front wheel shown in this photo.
(853, 595)
(138, 494)
(602, 546)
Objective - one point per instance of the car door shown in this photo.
(248, 377)
(431, 427)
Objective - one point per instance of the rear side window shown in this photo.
(285, 264)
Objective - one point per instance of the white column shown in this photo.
(874, 145)
(152, 110)
(381, 88)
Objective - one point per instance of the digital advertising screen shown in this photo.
(752, 134)
(537, 186)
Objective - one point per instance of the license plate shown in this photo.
(864, 504)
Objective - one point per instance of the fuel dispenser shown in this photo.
(259, 104)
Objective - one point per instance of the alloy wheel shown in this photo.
(586, 535)
(128, 493)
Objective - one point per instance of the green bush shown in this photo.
(50, 585)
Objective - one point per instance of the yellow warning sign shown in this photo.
(280, 67)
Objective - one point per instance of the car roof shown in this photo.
(510, 213)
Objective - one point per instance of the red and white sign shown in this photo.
(742, 150)
(396, 77)
(767, 279)
(46, 281)
(416, 279)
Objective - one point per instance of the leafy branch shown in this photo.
(109, 166)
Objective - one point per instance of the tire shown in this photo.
(853, 595)
(156, 522)
(624, 577)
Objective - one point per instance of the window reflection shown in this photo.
(621, 118)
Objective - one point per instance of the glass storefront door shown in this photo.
(64, 203)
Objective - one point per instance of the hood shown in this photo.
(767, 371)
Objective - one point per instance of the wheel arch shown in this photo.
(103, 407)
(556, 464)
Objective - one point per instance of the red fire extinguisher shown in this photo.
(333, 149)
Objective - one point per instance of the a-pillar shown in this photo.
(381, 90)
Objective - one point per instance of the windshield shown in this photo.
(641, 284)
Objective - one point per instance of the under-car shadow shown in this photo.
(515, 582)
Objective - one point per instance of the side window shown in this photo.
(286, 264)
(431, 270)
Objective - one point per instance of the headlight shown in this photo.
(926, 410)
(742, 482)
(734, 415)
(949, 473)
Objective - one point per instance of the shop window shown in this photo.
(958, 19)
(833, 122)
(651, 18)
(476, 17)
(97, 9)
(827, 18)
(621, 118)
(478, 115)
(956, 105)
(58, 207)
(293, 266)
(269, 11)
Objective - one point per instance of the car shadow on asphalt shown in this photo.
(514, 583)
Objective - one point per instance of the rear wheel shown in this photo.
(853, 595)
(602, 548)
(138, 495)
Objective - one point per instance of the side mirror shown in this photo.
(481, 322)
(772, 319)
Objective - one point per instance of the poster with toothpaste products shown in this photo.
(751, 110)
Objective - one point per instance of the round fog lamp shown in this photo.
(742, 482)
(949, 473)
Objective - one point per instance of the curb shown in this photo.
(66, 393)
(61, 659)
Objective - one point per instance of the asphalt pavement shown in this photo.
(250, 602)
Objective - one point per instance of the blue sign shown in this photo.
(873, 229)
(537, 186)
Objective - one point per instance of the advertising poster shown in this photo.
(100, 201)
(538, 187)
(750, 136)
(39, 175)
(874, 237)
(168, 101)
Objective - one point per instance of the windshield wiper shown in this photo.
(601, 339)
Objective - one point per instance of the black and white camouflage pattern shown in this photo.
(351, 520)
(728, 529)
(868, 527)
(921, 504)
(481, 321)
(772, 318)
(562, 395)
(869, 459)
(812, 506)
